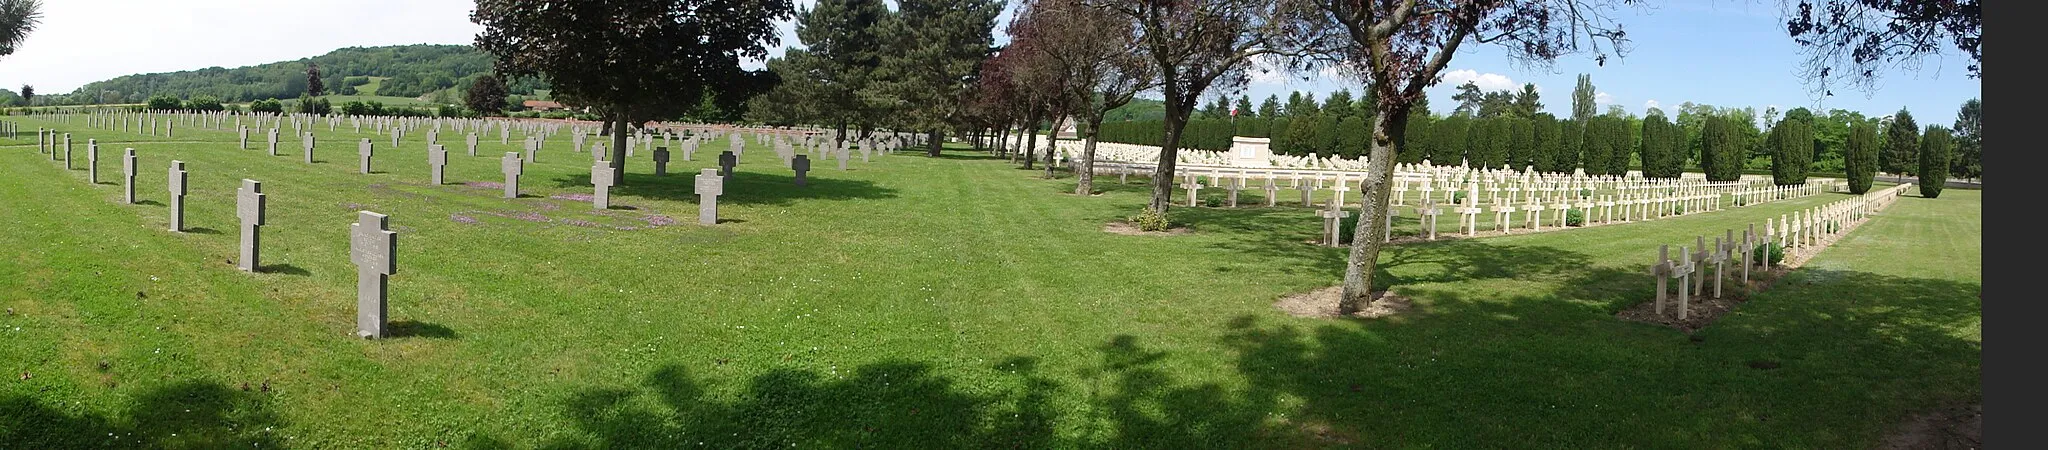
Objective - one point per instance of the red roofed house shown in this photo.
(541, 105)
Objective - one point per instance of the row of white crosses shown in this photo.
(1760, 193)
(1806, 228)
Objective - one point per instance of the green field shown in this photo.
(337, 100)
(909, 302)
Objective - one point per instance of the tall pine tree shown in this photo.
(1902, 145)
(1860, 156)
(1936, 147)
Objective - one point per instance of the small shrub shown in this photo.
(1585, 192)
(1150, 220)
(1212, 202)
(1777, 254)
(1458, 197)
(162, 102)
(1345, 228)
(1677, 209)
(269, 105)
(1575, 218)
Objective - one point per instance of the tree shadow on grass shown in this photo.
(411, 328)
(1852, 353)
(1281, 236)
(742, 188)
(1129, 399)
(285, 269)
(882, 405)
(187, 414)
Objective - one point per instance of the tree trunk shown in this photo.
(839, 137)
(1086, 173)
(1052, 146)
(1162, 175)
(619, 146)
(932, 145)
(998, 135)
(1369, 236)
(1030, 142)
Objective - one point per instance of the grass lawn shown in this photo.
(371, 87)
(337, 100)
(910, 302)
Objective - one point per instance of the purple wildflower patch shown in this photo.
(574, 197)
(486, 184)
(659, 220)
(530, 216)
(579, 222)
(627, 228)
(458, 218)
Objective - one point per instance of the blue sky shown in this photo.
(1719, 52)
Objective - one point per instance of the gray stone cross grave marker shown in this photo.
(1684, 268)
(1503, 214)
(1662, 271)
(67, 151)
(1429, 211)
(802, 165)
(273, 142)
(601, 179)
(249, 207)
(709, 186)
(660, 161)
(842, 156)
(727, 160)
(1308, 190)
(1194, 187)
(533, 145)
(1272, 191)
(1233, 184)
(243, 132)
(471, 141)
(1700, 258)
(512, 167)
(373, 247)
(177, 188)
(1469, 212)
(437, 159)
(309, 147)
(1333, 223)
(128, 176)
(1720, 259)
(364, 150)
(92, 161)
(597, 152)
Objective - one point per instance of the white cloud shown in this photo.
(1266, 71)
(1487, 82)
(1601, 98)
(1652, 104)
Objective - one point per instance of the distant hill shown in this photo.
(400, 71)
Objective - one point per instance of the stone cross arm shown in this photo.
(372, 246)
